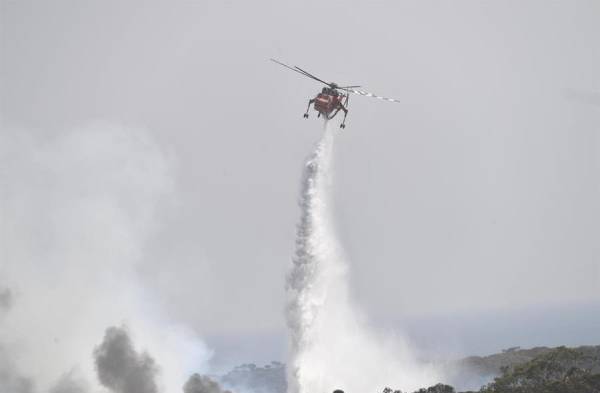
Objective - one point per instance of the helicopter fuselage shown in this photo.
(328, 104)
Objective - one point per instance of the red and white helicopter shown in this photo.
(333, 98)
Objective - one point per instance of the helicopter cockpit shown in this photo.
(330, 91)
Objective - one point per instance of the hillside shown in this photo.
(514, 370)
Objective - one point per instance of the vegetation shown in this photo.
(439, 388)
(561, 370)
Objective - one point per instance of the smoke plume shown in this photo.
(202, 384)
(11, 380)
(77, 210)
(120, 368)
(330, 340)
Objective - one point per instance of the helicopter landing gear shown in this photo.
(308, 108)
(343, 125)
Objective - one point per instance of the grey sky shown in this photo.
(477, 194)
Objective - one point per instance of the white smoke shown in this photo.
(76, 211)
(331, 344)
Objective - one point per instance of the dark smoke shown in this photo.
(201, 384)
(6, 299)
(120, 368)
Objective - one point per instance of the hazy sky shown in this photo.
(476, 198)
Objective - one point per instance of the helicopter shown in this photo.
(333, 98)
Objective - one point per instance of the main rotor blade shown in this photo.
(309, 75)
(312, 76)
(301, 72)
(366, 94)
(291, 68)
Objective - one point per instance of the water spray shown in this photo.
(331, 346)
